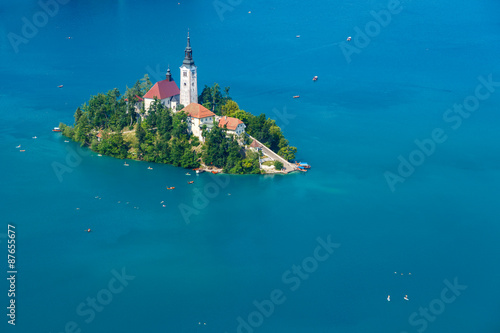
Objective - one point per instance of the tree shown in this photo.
(177, 152)
(216, 148)
(229, 109)
(226, 93)
(140, 134)
(211, 98)
(288, 152)
(278, 165)
(204, 96)
(195, 142)
(234, 155)
(164, 121)
(82, 129)
(145, 85)
(113, 145)
(78, 114)
(179, 125)
(189, 159)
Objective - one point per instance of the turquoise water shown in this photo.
(227, 251)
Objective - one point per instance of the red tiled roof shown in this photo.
(255, 144)
(139, 99)
(99, 135)
(196, 110)
(163, 89)
(230, 122)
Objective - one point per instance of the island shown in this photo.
(163, 123)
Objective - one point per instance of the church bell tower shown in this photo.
(189, 82)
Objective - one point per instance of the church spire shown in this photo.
(188, 58)
(169, 75)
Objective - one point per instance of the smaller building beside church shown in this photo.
(198, 115)
(232, 125)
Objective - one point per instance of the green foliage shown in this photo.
(179, 125)
(78, 114)
(195, 142)
(216, 148)
(248, 165)
(213, 99)
(145, 85)
(288, 152)
(140, 133)
(67, 131)
(278, 165)
(112, 145)
(189, 159)
(229, 109)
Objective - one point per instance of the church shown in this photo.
(172, 96)
(167, 90)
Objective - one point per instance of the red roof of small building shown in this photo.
(196, 110)
(255, 144)
(163, 89)
(99, 135)
(139, 99)
(230, 122)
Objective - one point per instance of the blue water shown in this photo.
(210, 265)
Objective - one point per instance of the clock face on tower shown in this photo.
(185, 74)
